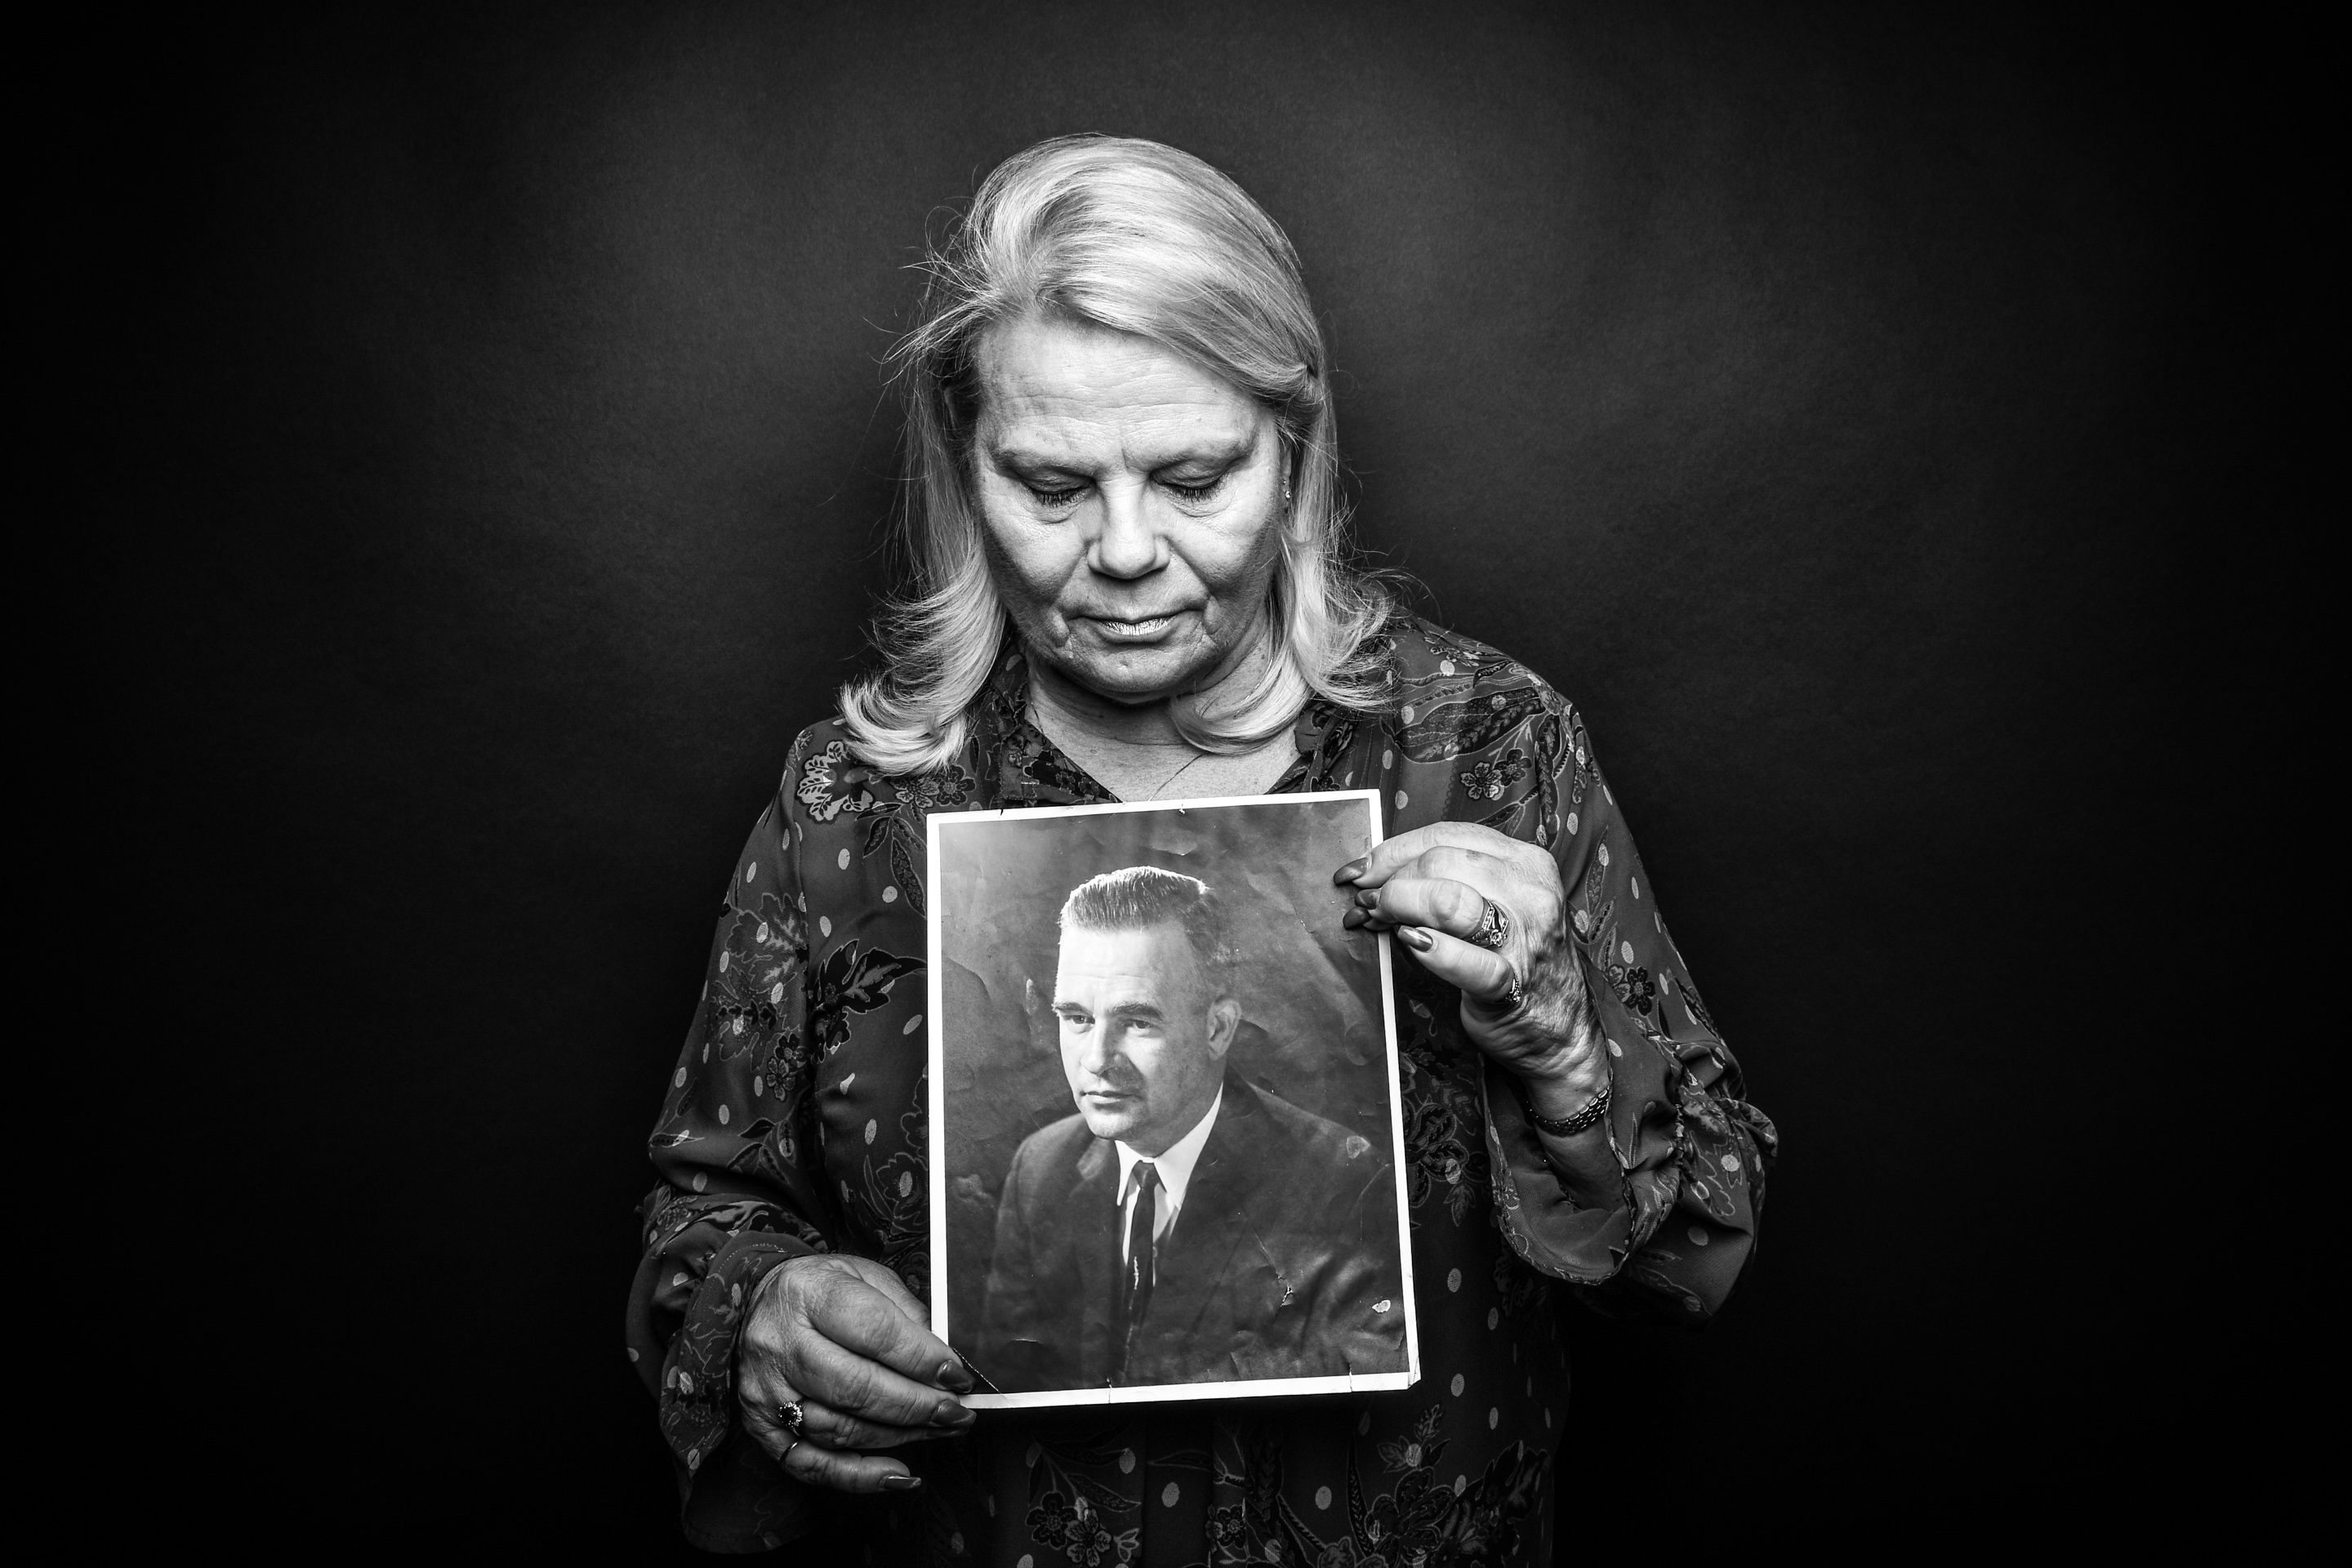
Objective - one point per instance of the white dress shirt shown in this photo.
(1175, 1170)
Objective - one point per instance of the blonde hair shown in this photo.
(1141, 238)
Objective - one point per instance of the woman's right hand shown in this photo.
(844, 1339)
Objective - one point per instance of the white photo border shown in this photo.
(935, 1106)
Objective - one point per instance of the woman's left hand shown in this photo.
(1487, 913)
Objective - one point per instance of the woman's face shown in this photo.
(1130, 500)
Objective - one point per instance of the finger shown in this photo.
(858, 1385)
(1393, 855)
(833, 1428)
(847, 1472)
(829, 1428)
(765, 1432)
(879, 1318)
(1440, 903)
(763, 1396)
(1478, 973)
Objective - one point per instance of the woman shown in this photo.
(1129, 582)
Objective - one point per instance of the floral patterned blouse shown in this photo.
(795, 1123)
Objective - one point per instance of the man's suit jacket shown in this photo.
(1282, 1262)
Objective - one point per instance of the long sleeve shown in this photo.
(736, 1147)
(1694, 1152)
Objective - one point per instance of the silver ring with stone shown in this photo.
(1494, 927)
(793, 1419)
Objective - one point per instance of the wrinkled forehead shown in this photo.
(1054, 388)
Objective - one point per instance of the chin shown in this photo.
(1104, 1125)
(1144, 674)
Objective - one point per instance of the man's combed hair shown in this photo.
(1141, 238)
(1141, 896)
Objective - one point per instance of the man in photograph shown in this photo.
(1181, 1225)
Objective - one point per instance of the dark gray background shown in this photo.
(1840, 404)
(1311, 1028)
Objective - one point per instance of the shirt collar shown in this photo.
(1175, 1166)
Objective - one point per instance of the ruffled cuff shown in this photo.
(1693, 1164)
(1710, 1198)
(698, 1391)
(1551, 1232)
(733, 1497)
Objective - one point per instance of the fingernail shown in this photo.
(902, 1483)
(1352, 870)
(948, 1412)
(1369, 898)
(1414, 937)
(952, 1375)
(1354, 918)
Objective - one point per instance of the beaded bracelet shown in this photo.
(1568, 1126)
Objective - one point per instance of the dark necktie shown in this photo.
(1135, 1281)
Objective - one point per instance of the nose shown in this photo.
(1126, 545)
(1095, 1056)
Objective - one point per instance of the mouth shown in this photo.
(1107, 1099)
(1149, 628)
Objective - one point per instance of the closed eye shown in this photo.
(1194, 493)
(1056, 499)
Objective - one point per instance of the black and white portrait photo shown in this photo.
(1207, 783)
(1169, 1148)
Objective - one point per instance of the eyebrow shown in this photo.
(1145, 1011)
(1211, 454)
(1024, 461)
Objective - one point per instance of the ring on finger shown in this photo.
(1494, 929)
(793, 1419)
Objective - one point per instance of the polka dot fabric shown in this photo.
(795, 1122)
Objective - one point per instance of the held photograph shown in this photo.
(1165, 1126)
